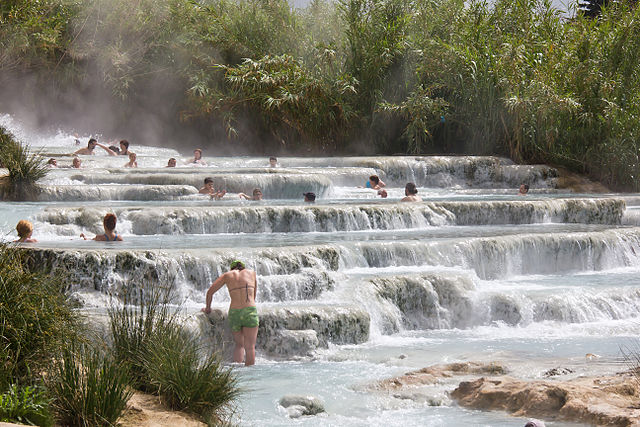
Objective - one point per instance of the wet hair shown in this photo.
(375, 179)
(411, 188)
(237, 265)
(199, 150)
(310, 196)
(171, 160)
(109, 221)
(92, 141)
(273, 158)
(74, 160)
(256, 190)
(132, 154)
(114, 149)
(125, 143)
(208, 180)
(24, 228)
(526, 187)
(51, 161)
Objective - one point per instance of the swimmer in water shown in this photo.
(171, 163)
(124, 148)
(208, 188)
(76, 163)
(197, 158)
(25, 230)
(91, 145)
(411, 193)
(52, 163)
(110, 235)
(132, 161)
(273, 162)
(375, 183)
(524, 189)
(242, 285)
(257, 195)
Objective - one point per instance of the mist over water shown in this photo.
(378, 287)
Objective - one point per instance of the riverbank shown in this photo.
(601, 400)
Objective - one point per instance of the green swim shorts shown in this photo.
(243, 318)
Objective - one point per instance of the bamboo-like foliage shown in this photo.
(24, 169)
(509, 77)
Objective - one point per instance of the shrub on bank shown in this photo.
(185, 379)
(24, 169)
(25, 405)
(89, 387)
(164, 359)
(36, 319)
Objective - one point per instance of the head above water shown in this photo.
(410, 189)
(52, 162)
(257, 194)
(171, 163)
(309, 197)
(132, 157)
(24, 228)
(208, 180)
(374, 179)
(92, 143)
(237, 265)
(109, 222)
(76, 162)
(273, 161)
(114, 149)
(197, 153)
(524, 188)
(124, 145)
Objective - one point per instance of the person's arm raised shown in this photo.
(215, 287)
(107, 149)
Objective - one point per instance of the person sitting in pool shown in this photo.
(375, 183)
(52, 163)
(524, 189)
(91, 145)
(309, 197)
(124, 148)
(110, 235)
(132, 161)
(208, 188)
(382, 193)
(25, 230)
(411, 193)
(242, 285)
(171, 163)
(273, 162)
(197, 158)
(257, 195)
(76, 163)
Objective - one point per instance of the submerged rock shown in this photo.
(297, 406)
(554, 372)
(601, 401)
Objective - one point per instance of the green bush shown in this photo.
(36, 318)
(185, 379)
(25, 405)
(89, 387)
(24, 169)
(162, 358)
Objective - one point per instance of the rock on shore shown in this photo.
(602, 401)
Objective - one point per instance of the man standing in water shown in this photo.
(243, 314)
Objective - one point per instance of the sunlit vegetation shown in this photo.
(24, 169)
(513, 78)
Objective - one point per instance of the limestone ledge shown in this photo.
(296, 331)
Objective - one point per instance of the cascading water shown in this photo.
(354, 288)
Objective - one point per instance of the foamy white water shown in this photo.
(472, 273)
